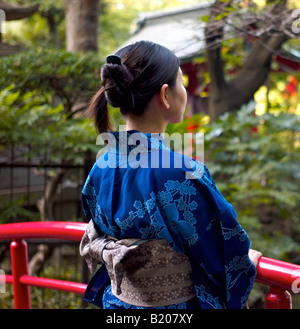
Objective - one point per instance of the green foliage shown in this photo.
(52, 72)
(254, 161)
(26, 120)
(36, 97)
(42, 298)
(28, 116)
(14, 209)
(188, 124)
(45, 28)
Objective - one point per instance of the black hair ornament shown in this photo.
(113, 59)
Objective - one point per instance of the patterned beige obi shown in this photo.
(146, 273)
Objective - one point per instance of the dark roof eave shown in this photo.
(13, 13)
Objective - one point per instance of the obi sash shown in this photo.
(147, 273)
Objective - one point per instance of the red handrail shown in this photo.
(19, 256)
(38, 230)
(276, 272)
(279, 275)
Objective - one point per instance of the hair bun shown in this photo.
(117, 80)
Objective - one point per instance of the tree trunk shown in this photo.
(82, 25)
(52, 25)
(230, 96)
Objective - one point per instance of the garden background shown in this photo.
(48, 145)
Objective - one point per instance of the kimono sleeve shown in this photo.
(240, 271)
(89, 200)
(220, 253)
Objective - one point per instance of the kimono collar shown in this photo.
(124, 142)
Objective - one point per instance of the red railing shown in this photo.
(279, 275)
(20, 279)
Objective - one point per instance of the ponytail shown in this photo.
(99, 111)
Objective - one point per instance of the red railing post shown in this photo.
(278, 298)
(19, 265)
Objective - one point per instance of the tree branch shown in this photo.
(213, 33)
(255, 70)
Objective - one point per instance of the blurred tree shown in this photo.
(82, 25)
(44, 29)
(54, 13)
(268, 26)
(12, 13)
(117, 18)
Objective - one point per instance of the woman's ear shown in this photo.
(163, 96)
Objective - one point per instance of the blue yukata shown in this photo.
(141, 189)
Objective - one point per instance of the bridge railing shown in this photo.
(280, 276)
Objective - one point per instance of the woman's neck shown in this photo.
(146, 123)
(145, 128)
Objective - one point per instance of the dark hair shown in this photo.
(145, 67)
